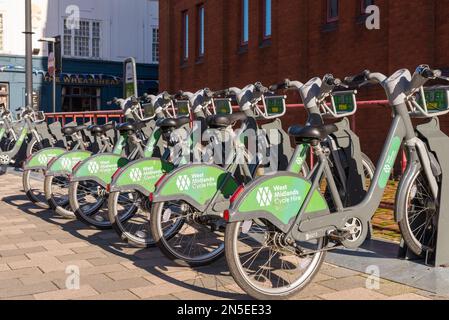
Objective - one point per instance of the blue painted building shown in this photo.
(83, 85)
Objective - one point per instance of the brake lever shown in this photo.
(443, 78)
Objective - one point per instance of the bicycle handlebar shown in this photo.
(281, 85)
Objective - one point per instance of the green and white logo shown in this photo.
(183, 183)
(264, 197)
(136, 174)
(43, 159)
(93, 167)
(67, 163)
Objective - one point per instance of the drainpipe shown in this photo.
(28, 53)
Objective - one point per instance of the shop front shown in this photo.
(84, 85)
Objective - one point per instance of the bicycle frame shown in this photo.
(307, 227)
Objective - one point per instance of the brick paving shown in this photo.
(36, 247)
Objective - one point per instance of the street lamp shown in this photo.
(52, 62)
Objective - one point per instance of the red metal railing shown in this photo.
(90, 116)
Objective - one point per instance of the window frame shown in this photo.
(91, 38)
(155, 44)
(201, 30)
(185, 36)
(264, 20)
(244, 24)
(330, 19)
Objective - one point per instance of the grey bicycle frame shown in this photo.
(317, 226)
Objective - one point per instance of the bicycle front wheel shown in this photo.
(57, 195)
(194, 239)
(33, 185)
(128, 213)
(87, 199)
(264, 266)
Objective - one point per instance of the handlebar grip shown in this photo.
(134, 100)
(166, 96)
(260, 88)
(208, 93)
(331, 81)
(430, 74)
(279, 86)
(224, 92)
(358, 78)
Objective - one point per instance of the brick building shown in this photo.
(235, 42)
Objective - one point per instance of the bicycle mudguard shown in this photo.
(195, 184)
(63, 165)
(41, 159)
(98, 168)
(278, 199)
(140, 175)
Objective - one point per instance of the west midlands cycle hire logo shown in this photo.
(93, 167)
(136, 174)
(66, 163)
(264, 197)
(183, 183)
(42, 159)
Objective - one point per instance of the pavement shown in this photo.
(41, 255)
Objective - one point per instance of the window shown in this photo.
(4, 94)
(201, 48)
(83, 42)
(155, 52)
(95, 39)
(332, 10)
(78, 99)
(1, 32)
(365, 4)
(82, 36)
(267, 19)
(245, 21)
(67, 40)
(185, 35)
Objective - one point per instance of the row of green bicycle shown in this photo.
(200, 181)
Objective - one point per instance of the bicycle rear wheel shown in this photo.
(420, 215)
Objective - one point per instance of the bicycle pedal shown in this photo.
(339, 235)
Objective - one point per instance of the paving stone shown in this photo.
(339, 272)
(395, 289)
(313, 290)
(157, 290)
(116, 295)
(81, 256)
(4, 267)
(15, 274)
(83, 292)
(345, 283)
(409, 296)
(111, 285)
(23, 290)
(354, 294)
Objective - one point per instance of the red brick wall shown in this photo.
(302, 46)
